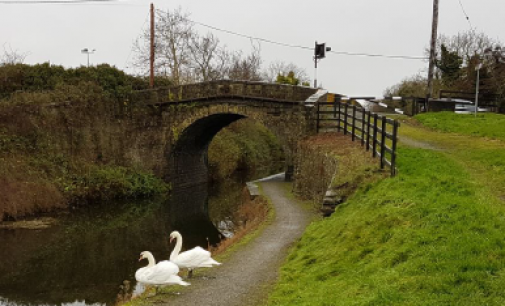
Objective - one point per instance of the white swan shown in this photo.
(162, 274)
(191, 259)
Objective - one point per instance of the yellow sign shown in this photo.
(330, 97)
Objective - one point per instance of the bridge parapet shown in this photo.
(224, 88)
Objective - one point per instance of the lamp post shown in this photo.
(487, 52)
(88, 52)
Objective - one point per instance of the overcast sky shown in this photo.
(58, 32)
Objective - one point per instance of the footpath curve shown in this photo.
(246, 276)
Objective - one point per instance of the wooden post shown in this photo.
(345, 119)
(339, 111)
(151, 53)
(433, 46)
(363, 126)
(393, 148)
(334, 108)
(369, 117)
(374, 146)
(383, 142)
(353, 122)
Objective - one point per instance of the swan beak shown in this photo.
(141, 258)
(171, 238)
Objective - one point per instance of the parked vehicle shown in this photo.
(469, 109)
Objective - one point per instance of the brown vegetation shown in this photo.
(250, 214)
(332, 160)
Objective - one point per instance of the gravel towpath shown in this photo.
(245, 277)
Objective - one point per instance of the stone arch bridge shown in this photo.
(189, 116)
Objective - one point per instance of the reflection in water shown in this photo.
(88, 255)
(5, 302)
(85, 258)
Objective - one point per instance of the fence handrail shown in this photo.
(363, 125)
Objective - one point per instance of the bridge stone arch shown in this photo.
(195, 127)
(194, 114)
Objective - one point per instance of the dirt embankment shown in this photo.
(332, 161)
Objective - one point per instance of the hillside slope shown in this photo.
(431, 236)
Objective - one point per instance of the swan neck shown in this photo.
(178, 247)
(150, 259)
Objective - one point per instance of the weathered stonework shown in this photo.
(195, 127)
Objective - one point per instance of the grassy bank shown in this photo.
(431, 236)
(485, 124)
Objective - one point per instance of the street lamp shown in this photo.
(500, 56)
(88, 52)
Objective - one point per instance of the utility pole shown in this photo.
(433, 49)
(315, 66)
(151, 57)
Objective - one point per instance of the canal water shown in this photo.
(92, 251)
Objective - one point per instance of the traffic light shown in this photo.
(320, 50)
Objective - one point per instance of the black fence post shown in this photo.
(353, 122)
(339, 111)
(363, 126)
(383, 142)
(393, 147)
(345, 119)
(317, 119)
(369, 120)
(374, 146)
(334, 108)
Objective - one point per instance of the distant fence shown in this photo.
(374, 131)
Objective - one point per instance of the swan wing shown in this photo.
(163, 273)
(195, 258)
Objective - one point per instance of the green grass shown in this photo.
(431, 236)
(483, 157)
(486, 125)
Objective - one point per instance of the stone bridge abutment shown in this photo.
(193, 126)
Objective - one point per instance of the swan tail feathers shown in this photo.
(212, 262)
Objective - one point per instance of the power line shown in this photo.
(303, 47)
(54, 1)
(466, 15)
(381, 55)
(251, 37)
(131, 49)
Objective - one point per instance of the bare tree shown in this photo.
(414, 86)
(466, 44)
(281, 68)
(173, 32)
(246, 68)
(11, 57)
(208, 59)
